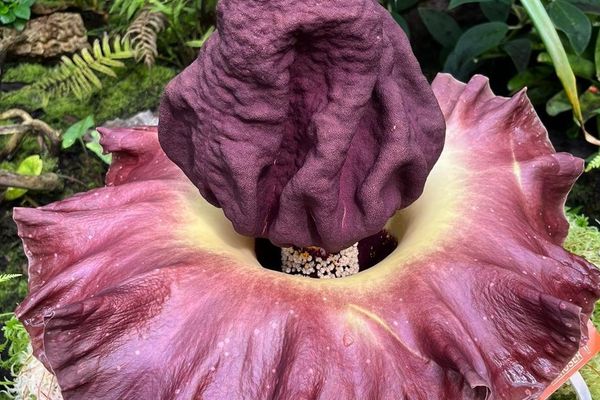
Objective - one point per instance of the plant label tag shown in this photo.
(585, 354)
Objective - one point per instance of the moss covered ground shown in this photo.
(136, 89)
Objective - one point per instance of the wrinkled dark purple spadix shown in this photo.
(310, 123)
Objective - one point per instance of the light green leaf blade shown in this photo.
(76, 131)
(581, 66)
(529, 78)
(8, 277)
(31, 166)
(95, 147)
(23, 11)
(559, 103)
(590, 103)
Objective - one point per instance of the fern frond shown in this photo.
(594, 163)
(77, 74)
(143, 33)
(8, 277)
(127, 8)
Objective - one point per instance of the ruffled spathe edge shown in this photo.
(493, 310)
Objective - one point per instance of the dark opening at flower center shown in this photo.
(315, 262)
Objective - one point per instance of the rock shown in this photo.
(52, 35)
(144, 118)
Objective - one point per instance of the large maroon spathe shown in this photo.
(142, 290)
(309, 122)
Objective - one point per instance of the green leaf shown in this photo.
(496, 10)
(8, 18)
(402, 22)
(592, 163)
(131, 9)
(590, 103)
(519, 51)
(456, 3)
(96, 148)
(401, 5)
(441, 26)
(587, 6)
(76, 131)
(543, 24)
(23, 11)
(474, 42)
(559, 103)
(31, 166)
(581, 67)
(573, 22)
(530, 77)
(19, 24)
(8, 277)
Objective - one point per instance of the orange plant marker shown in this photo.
(585, 354)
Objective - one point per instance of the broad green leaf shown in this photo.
(456, 3)
(401, 5)
(539, 95)
(587, 6)
(7, 18)
(19, 24)
(590, 103)
(31, 166)
(519, 51)
(23, 11)
(474, 42)
(402, 22)
(441, 26)
(95, 147)
(573, 22)
(497, 10)
(581, 67)
(77, 131)
(559, 103)
(530, 77)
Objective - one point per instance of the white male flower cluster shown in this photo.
(302, 262)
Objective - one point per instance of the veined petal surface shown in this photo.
(142, 290)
